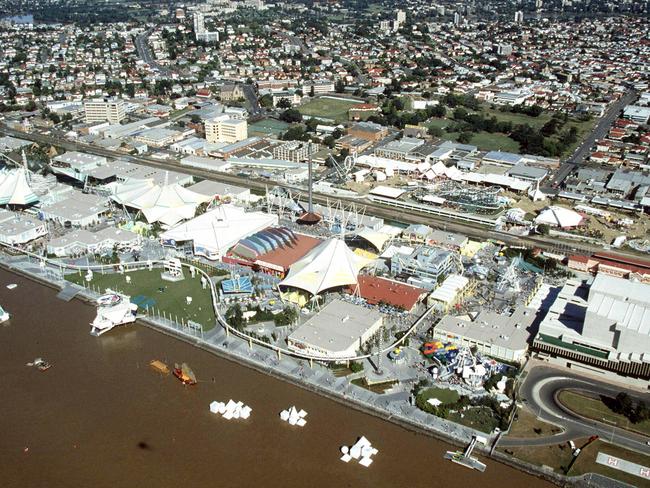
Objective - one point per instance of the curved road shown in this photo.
(539, 392)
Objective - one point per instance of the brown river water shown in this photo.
(101, 417)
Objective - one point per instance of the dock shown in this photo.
(464, 458)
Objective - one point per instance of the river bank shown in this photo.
(100, 415)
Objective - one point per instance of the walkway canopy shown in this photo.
(331, 264)
(15, 188)
(167, 204)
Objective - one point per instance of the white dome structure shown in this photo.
(167, 204)
(331, 264)
(559, 217)
(15, 188)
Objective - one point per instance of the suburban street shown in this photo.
(144, 52)
(599, 131)
(539, 392)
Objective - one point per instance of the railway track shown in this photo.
(401, 214)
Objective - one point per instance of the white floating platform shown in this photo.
(362, 451)
(231, 410)
(294, 416)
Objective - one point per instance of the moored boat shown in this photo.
(159, 366)
(113, 309)
(185, 374)
(4, 315)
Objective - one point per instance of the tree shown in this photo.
(543, 229)
(460, 113)
(465, 137)
(195, 119)
(339, 86)
(235, 316)
(311, 91)
(291, 116)
(295, 133)
(266, 101)
(283, 103)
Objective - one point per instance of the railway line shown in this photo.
(477, 227)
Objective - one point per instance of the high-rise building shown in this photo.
(200, 32)
(504, 49)
(539, 4)
(225, 129)
(519, 17)
(401, 17)
(385, 25)
(104, 109)
(458, 19)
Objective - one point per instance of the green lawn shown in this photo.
(268, 127)
(501, 142)
(443, 394)
(594, 408)
(517, 119)
(486, 141)
(328, 108)
(145, 289)
(479, 418)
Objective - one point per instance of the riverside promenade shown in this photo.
(236, 346)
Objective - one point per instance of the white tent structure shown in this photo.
(331, 264)
(15, 188)
(559, 217)
(218, 230)
(167, 204)
(377, 238)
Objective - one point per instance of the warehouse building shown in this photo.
(602, 326)
(339, 330)
(501, 336)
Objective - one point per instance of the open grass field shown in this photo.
(149, 290)
(443, 394)
(586, 462)
(327, 108)
(556, 456)
(594, 408)
(529, 426)
(479, 418)
(268, 127)
(500, 142)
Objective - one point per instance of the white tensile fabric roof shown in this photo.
(168, 204)
(330, 264)
(559, 217)
(217, 230)
(15, 189)
(374, 237)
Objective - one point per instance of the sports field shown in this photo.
(267, 127)
(328, 108)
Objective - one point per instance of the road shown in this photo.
(599, 131)
(539, 392)
(306, 50)
(251, 97)
(144, 52)
(469, 229)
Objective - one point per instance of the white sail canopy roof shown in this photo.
(331, 264)
(168, 204)
(216, 231)
(15, 188)
(376, 238)
(559, 217)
